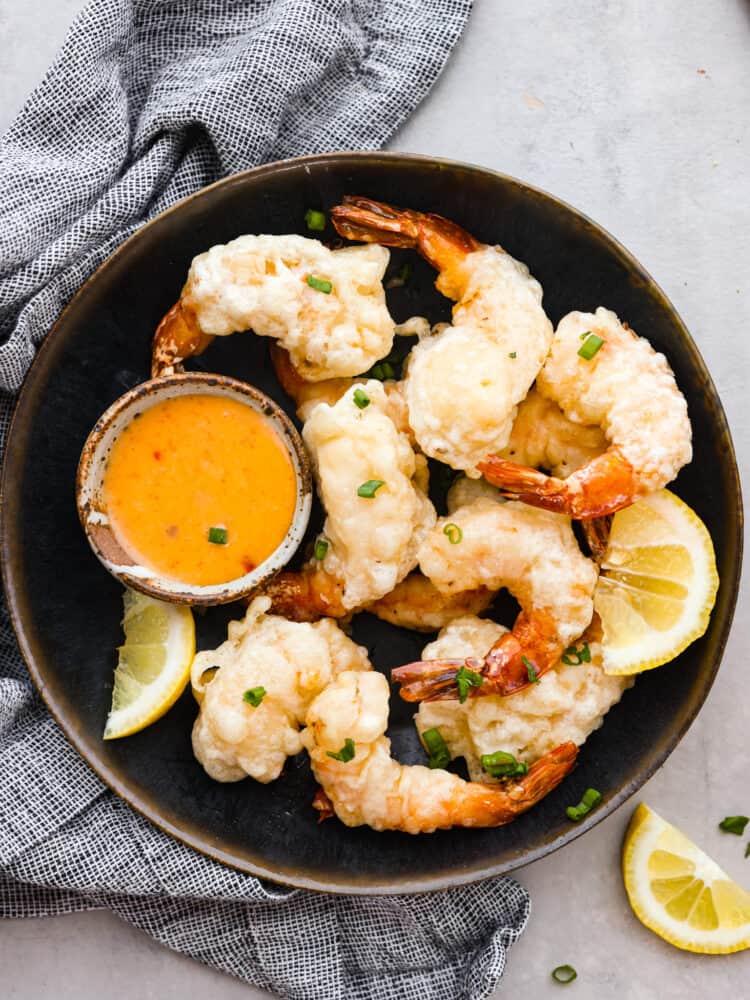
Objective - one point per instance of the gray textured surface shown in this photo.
(605, 107)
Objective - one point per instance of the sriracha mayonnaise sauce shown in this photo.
(200, 488)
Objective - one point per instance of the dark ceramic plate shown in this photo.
(66, 609)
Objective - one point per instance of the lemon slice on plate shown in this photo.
(154, 664)
(657, 584)
(678, 892)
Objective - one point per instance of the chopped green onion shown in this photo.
(404, 272)
(734, 824)
(382, 371)
(370, 488)
(564, 974)
(361, 399)
(590, 346)
(590, 799)
(319, 284)
(530, 670)
(217, 536)
(747, 850)
(513, 355)
(453, 533)
(315, 221)
(401, 277)
(503, 765)
(321, 547)
(437, 749)
(573, 656)
(586, 333)
(346, 753)
(466, 679)
(254, 696)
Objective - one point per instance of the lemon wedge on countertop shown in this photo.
(154, 663)
(657, 584)
(678, 892)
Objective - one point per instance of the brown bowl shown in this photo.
(66, 610)
(92, 510)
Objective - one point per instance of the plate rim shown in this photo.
(300, 880)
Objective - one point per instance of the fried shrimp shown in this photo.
(569, 704)
(544, 438)
(621, 384)
(307, 395)
(351, 758)
(326, 307)
(374, 489)
(416, 603)
(255, 689)
(464, 383)
(532, 553)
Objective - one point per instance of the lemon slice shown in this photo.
(678, 892)
(657, 584)
(154, 664)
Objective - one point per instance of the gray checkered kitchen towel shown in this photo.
(148, 101)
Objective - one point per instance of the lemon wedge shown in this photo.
(657, 584)
(154, 663)
(678, 892)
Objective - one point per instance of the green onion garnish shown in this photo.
(319, 284)
(254, 696)
(404, 272)
(345, 754)
(453, 533)
(590, 799)
(437, 749)
(217, 536)
(747, 850)
(315, 221)
(573, 656)
(513, 355)
(361, 399)
(586, 333)
(503, 765)
(590, 346)
(734, 824)
(530, 670)
(321, 547)
(382, 371)
(370, 488)
(564, 974)
(466, 679)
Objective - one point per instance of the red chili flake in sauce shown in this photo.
(172, 530)
(157, 456)
(248, 565)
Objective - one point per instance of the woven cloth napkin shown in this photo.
(148, 101)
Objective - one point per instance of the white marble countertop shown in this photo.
(637, 113)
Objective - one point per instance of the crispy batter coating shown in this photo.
(292, 661)
(260, 283)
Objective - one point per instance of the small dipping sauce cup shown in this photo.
(119, 555)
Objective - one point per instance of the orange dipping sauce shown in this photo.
(195, 463)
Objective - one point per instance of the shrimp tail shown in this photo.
(289, 378)
(178, 337)
(437, 239)
(596, 533)
(323, 805)
(604, 485)
(544, 775)
(304, 596)
(521, 482)
(485, 805)
(505, 670)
